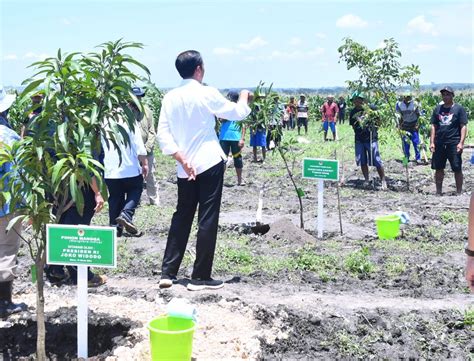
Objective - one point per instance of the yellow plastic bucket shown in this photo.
(171, 338)
(388, 227)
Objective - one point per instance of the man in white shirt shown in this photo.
(186, 132)
(123, 174)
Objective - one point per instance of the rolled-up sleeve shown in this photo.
(165, 137)
(225, 109)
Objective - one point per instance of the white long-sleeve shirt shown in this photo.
(130, 166)
(187, 123)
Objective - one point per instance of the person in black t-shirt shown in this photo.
(448, 132)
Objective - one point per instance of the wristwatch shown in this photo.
(468, 251)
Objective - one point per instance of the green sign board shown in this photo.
(325, 169)
(81, 245)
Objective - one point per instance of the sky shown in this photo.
(292, 44)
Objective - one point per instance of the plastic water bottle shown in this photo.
(181, 308)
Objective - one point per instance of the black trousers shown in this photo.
(72, 216)
(206, 191)
(124, 196)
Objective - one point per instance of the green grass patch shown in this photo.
(358, 263)
(453, 217)
(395, 265)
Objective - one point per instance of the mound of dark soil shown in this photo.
(284, 229)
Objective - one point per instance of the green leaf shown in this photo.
(57, 169)
(62, 135)
(15, 221)
(405, 161)
(30, 87)
(300, 192)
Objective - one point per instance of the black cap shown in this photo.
(137, 91)
(447, 89)
(233, 96)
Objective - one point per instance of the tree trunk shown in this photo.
(294, 185)
(40, 319)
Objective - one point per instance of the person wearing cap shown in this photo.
(341, 104)
(36, 109)
(366, 140)
(148, 131)
(186, 132)
(6, 101)
(329, 111)
(448, 132)
(291, 109)
(302, 109)
(125, 168)
(9, 240)
(232, 139)
(408, 113)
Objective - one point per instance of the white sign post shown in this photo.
(82, 312)
(320, 224)
(321, 169)
(81, 246)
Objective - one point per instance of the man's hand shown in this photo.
(145, 170)
(250, 98)
(99, 202)
(241, 143)
(459, 147)
(470, 273)
(144, 164)
(190, 170)
(432, 147)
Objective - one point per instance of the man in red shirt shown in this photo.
(329, 110)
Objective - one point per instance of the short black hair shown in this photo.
(187, 62)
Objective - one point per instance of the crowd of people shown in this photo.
(186, 131)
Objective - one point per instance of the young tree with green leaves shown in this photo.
(263, 108)
(380, 75)
(85, 96)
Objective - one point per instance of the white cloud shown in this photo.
(224, 51)
(316, 52)
(34, 56)
(10, 57)
(286, 55)
(66, 21)
(465, 50)
(351, 21)
(295, 41)
(423, 48)
(321, 35)
(419, 24)
(256, 42)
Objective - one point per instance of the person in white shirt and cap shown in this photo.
(186, 132)
(124, 173)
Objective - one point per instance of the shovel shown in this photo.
(259, 227)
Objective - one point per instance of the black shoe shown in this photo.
(56, 275)
(7, 308)
(209, 284)
(167, 281)
(126, 223)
